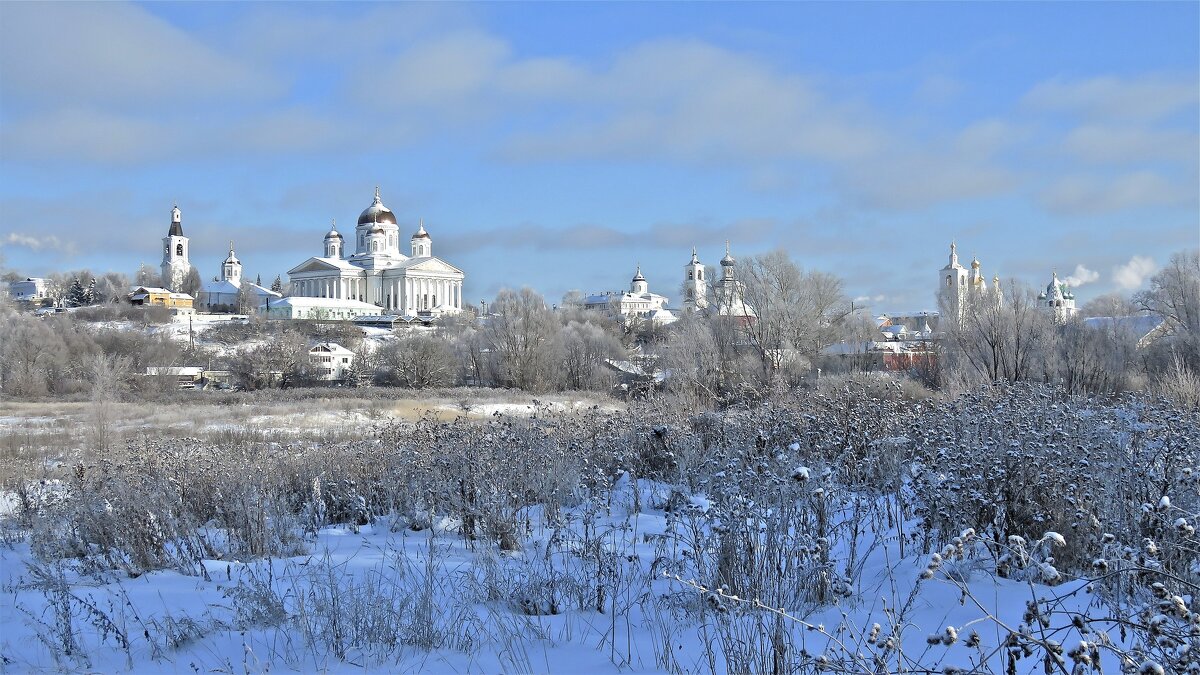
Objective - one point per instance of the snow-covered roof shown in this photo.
(189, 371)
(1140, 324)
(148, 289)
(219, 286)
(329, 348)
(228, 287)
(328, 303)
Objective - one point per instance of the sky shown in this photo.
(559, 145)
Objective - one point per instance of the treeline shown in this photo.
(1016, 340)
(705, 360)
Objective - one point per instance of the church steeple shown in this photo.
(175, 265)
(695, 290)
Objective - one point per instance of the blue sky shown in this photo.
(557, 145)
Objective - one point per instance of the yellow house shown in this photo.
(149, 295)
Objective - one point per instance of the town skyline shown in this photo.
(1039, 137)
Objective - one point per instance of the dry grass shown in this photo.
(44, 439)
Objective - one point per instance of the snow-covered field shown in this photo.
(846, 530)
(380, 600)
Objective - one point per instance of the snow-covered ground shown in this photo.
(388, 598)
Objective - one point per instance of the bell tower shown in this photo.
(695, 287)
(175, 265)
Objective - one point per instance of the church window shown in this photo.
(949, 280)
(700, 275)
(179, 250)
(374, 246)
(689, 275)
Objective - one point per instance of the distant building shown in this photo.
(1058, 299)
(175, 265)
(1145, 328)
(636, 303)
(162, 297)
(28, 290)
(730, 293)
(221, 295)
(908, 326)
(317, 309)
(958, 287)
(330, 361)
(377, 273)
(695, 287)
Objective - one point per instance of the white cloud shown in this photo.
(1084, 194)
(1081, 276)
(1110, 144)
(1133, 274)
(49, 242)
(1145, 98)
(115, 54)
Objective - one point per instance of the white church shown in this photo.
(377, 276)
(638, 303)
(221, 294)
(728, 293)
(958, 287)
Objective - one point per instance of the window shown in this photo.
(179, 250)
(700, 275)
(690, 275)
(345, 359)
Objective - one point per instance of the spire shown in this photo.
(695, 260)
(637, 276)
(727, 261)
(230, 247)
(421, 227)
(377, 199)
(333, 224)
(953, 253)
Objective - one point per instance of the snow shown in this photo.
(486, 611)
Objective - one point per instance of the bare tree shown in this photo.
(192, 282)
(1174, 294)
(999, 338)
(1109, 304)
(419, 361)
(584, 348)
(521, 333)
(796, 312)
(145, 276)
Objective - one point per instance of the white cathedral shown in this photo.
(377, 273)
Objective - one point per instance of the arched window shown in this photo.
(949, 280)
(700, 274)
(421, 250)
(374, 246)
(690, 294)
(689, 275)
(179, 250)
